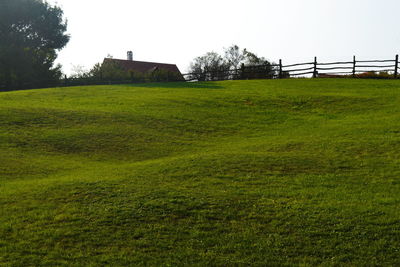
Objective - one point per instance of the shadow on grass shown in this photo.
(202, 85)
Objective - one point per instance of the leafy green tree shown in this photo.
(160, 75)
(31, 34)
(95, 71)
(110, 70)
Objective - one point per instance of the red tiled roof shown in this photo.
(143, 67)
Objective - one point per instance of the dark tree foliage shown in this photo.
(31, 33)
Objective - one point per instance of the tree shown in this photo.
(236, 64)
(31, 34)
(234, 57)
(208, 67)
(248, 64)
(112, 71)
(251, 59)
(95, 72)
(254, 67)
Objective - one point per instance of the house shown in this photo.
(145, 68)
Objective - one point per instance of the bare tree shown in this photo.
(233, 56)
(79, 71)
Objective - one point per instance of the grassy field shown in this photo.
(274, 172)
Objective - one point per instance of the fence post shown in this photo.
(280, 69)
(396, 67)
(354, 66)
(242, 71)
(315, 73)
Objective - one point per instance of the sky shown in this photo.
(177, 31)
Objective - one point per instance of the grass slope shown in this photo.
(284, 172)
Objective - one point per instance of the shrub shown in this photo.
(375, 75)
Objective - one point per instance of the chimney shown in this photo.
(130, 55)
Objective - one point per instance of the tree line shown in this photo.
(235, 63)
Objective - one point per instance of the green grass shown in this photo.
(278, 172)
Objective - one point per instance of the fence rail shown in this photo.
(355, 68)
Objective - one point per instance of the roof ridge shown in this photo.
(140, 61)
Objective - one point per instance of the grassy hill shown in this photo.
(275, 172)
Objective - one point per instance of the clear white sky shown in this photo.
(176, 31)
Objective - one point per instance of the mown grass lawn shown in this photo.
(274, 172)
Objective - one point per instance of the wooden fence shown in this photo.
(354, 68)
